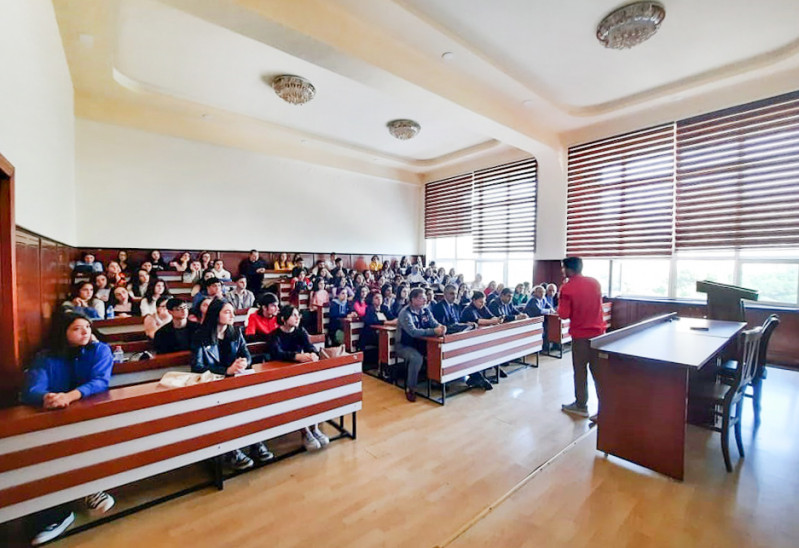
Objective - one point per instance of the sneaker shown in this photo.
(99, 503)
(240, 461)
(575, 409)
(261, 452)
(310, 442)
(53, 530)
(320, 437)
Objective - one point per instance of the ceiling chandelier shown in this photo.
(293, 89)
(630, 25)
(403, 129)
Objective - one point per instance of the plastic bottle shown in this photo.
(119, 355)
(109, 313)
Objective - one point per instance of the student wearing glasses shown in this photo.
(176, 335)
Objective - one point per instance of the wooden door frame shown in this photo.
(9, 313)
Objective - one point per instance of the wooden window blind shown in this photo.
(621, 195)
(448, 207)
(738, 177)
(504, 208)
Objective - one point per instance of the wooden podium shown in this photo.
(724, 301)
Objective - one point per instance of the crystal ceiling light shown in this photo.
(293, 89)
(403, 129)
(630, 25)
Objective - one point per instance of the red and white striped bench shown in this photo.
(352, 333)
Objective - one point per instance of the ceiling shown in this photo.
(525, 76)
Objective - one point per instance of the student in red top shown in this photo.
(260, 324)
(581, 302)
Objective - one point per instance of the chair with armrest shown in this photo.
(727, 372)
(724, 397)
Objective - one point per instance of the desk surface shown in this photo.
(673, 341)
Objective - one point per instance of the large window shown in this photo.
(505, 268)
(712, 197)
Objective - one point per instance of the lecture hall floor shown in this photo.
(422, 475)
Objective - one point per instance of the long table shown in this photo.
(642, 382)
(558, 329)
(127, 434)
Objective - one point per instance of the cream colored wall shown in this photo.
(36, 118)
(140, 189)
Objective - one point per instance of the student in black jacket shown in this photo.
(503, 307)
(218, 346)
(478, 312)
(176, 336)
(290, 342)
(376, 314)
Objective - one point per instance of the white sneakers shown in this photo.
(313, 439)
(99, 503)
(53, 530)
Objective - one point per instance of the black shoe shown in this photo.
(502, 374)
(486, 385)
(475, 379)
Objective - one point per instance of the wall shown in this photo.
(37, 132)
(139, 189)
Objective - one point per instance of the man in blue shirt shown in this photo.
(415, 321)
(538, 305)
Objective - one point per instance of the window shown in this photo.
(519, 271)
(690, 270)
(492, 271)
(776, 282)
(600, 270)
(642, 277)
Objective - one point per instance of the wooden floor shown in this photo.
(424, 475)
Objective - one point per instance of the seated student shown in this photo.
(330, 263)
(283, 262)
(119, 304)
(320, 298)
(122, 261)
(155, 291)
(415, 321)
(519, 297)
(377, 313)
(464, 296)
(205, 261)
(157, 261)
(478, 312)
(415, 277)
(299, 264)
(116, 276)
(316, 268)
(447, 312)
(219, 347)
(220, 272)
(254, 267)
(194, 273)
(338, 268)
(211, 288)
(299, 282)
(539, 306)
(241, 297)
(261, 324)
(494, 295)
(490, 288)
(370, 281)
(147, 266)
(359, 302)
(552, 296)
(503, 307)
(161, 317)
(431, 296)
(88, 264)
(102, 290)
(176, 335)
(138, 288)
(197, 313)
(387, 293)
(340, 307)
(181, 262)
(74, 367)
(290, 343)
(477, 284)
(401, 301)
(375, 265)
(83, 301)
(199, 287)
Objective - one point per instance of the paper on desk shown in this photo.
(179, 379)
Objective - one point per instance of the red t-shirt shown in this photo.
(258, 325)
(581, 302)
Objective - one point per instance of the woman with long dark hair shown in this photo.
(75, 366)
(155, 291)
(219, 346)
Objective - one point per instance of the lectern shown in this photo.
(724, 301)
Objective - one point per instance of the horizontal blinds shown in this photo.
(504, 208)
(448, 207)
(738, 177)
(621, 195)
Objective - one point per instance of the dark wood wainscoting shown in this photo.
(784, 345)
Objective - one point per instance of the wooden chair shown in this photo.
(727, 372)
(724, 397)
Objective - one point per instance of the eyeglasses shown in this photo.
(181, 307)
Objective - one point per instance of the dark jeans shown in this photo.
(581, 358)
(415, 360)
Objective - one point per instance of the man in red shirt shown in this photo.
(581, 302)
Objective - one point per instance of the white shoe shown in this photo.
(53, 530)
(99, 503)
(320, 437)
(310, 442)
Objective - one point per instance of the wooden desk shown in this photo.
(558, 330)
(642, 382)
(386, 337)
(454, 356)
(126, 434)
(352, 333)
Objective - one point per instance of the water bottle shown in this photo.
(119, 355)
(109, 312)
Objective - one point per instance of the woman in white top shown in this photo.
(220, 272)
(155, 291)
(101, 289)
(154, 322)
(181, 262)
(194, 273)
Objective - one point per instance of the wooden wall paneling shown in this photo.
(51, 284)
(9, 304)
(547, 271)
(360, 262)
(29, 295)
(232, 260)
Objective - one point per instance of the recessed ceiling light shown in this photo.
(448, 56)
(86, 39)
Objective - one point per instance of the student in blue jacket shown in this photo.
(75, 366)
